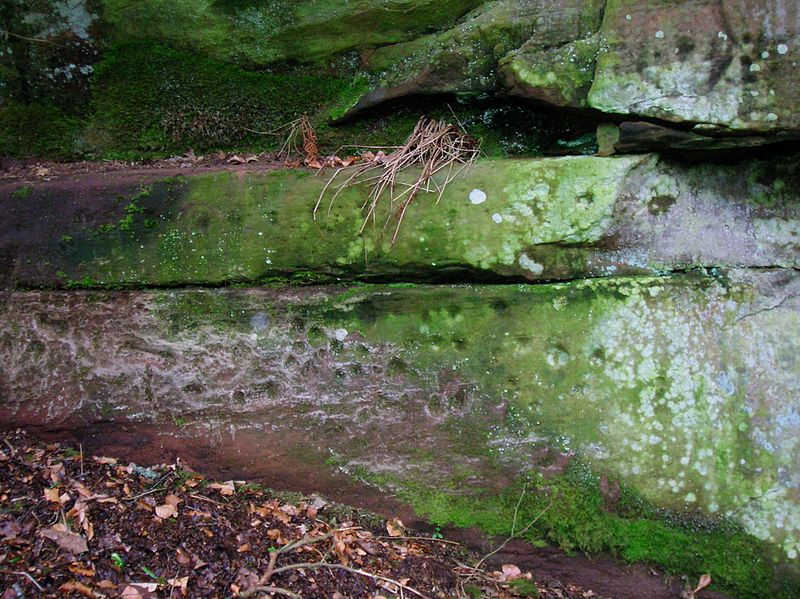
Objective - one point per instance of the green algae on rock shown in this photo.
(279, 30)
(681, 387)
(464, 59)
(541, 219)
(562, 76)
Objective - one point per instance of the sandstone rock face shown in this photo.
(726, 64)
(730, 63)
(684, 387)
(545, 219)
(277, 30)
(464, 59)
(724, 67)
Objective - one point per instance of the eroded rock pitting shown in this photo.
(675, 385)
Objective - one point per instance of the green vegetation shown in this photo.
(570, 514)
(37, 130)
(22, 192)
(150, 101)
(524, 588)
(153, 99)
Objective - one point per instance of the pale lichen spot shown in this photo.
(782, 49)
(541, 190)
(531, 265)
(755, 68)
(340, 334)
(772, 117)
(476, 196)
(498, 218)
(659, 34)
(722, 35)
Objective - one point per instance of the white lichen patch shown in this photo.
(530, 265)
(676, 418)
(477, 196)
(569, 199)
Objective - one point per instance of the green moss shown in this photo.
(271, 31)
(522, 587)
(37, 130)
(150, 98)
(223, 227)
(22, 192)
(562, 76)
(569, 513)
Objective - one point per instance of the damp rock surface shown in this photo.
(513, 220)
(682, 387)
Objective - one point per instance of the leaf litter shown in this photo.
(79, 526)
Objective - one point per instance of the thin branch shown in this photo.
(318, 565)
(275, 590)
(445, 541)
(514, 534)
(27, 39)
(26, 575)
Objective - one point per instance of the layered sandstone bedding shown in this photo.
(601, 311)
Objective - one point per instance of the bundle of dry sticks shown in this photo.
(438, 152)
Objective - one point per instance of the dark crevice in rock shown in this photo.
(447, 276)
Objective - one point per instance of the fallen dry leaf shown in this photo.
(179, 583)
(139, 590)
(77, 568)
(52, 495)
(394, 527)
(166, 511)
(510, 572)
(226, 488)
(68, 541)
(705, 580)
(235, 159)
(77, 587)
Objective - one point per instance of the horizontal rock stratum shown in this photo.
(683, 387)
(532, 219)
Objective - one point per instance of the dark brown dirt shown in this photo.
(74, 525)
(250, 457)
(38, 171)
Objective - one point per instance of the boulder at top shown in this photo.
(732, 64)
(464, 59)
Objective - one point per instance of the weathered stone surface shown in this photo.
(730, 63)
(464, 59)
(541, 220)
(640, 136)
(684, 387)
(560, 76)
(279, 30)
